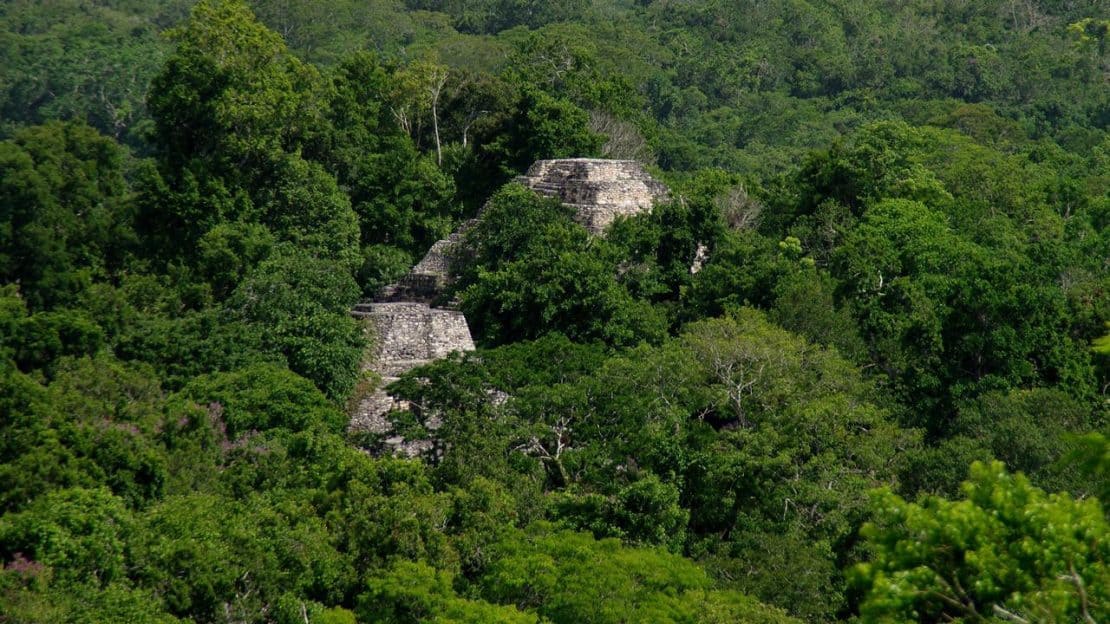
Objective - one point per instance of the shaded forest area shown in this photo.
(884, 398)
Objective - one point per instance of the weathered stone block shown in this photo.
(428, 280)
(409, 334)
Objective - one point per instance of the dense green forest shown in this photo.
(884, 398)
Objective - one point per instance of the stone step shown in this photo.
(545, 188)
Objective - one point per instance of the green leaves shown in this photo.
(303, 205)
(937, 262)
(401, 197)
(210, 556)
(301, 304)
(73, 62)
(263, 397)
(230, 94)
(64, 218)
(1007, 550)
(530, 269)
(543, 127)
(233, 111)
(1101, 344)
(947, 317)
(81, 533)
(646, 512)
(570, 577)
(416, 592)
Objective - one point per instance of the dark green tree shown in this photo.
(300, 304)
(529, 269)
(64, 211)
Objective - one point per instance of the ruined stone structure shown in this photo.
(411, 334)
(404, 335)
(407, 331)
(600, 190)
(427, 281)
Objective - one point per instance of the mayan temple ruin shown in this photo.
(410, 324)
(600, 190)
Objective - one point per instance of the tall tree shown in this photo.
(232, 110)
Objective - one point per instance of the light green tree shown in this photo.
(1006, 552)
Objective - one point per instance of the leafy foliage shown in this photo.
(883, 260)
(1008, 550)
(534, 269)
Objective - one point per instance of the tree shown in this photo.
(492, 16)
(81, 533)
(1101, 345)
(37, 341)
(765, 435)
(1006, 552)
(783, 408)
(402, 199)
(77, 432)
(1093, 35)
(231, 95)
(300, 304)
(542, 127)
(302, 204)
(1031, 431)
(264, 397)
(1091, 456)
(745, 269)
(68, 62)
(418, 88)
(646, 512)
(64, 212)
(529, 269)
(211, 557)
(571, 577)
(413, 592)
(945, 317)
(233, 110)
(32, 597)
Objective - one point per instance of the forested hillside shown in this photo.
(884, 396)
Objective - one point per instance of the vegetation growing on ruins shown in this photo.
(882, 398)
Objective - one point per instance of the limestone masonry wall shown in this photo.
(407, 331)
(410, 334)
(404, 335)
(427, 280)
